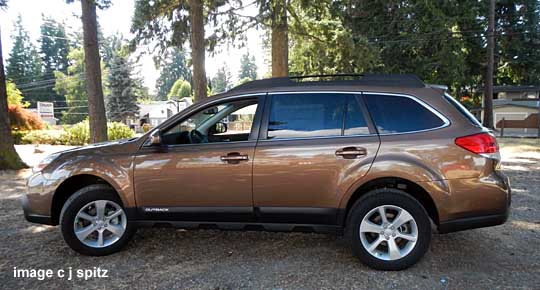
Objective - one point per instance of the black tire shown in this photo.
(72, 206)
(393, 197)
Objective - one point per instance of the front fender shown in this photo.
(114, 169)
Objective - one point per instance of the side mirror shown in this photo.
(155, 138)
(218, 128)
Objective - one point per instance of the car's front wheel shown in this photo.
(94, 222)
(390, 229)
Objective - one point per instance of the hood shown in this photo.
(117, 146)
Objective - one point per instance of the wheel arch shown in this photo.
(71, 185)
(412, 188)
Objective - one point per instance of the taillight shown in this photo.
(482, 143)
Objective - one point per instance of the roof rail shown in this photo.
(394, 80)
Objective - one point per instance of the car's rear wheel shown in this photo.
(94, 222)
(390, 230)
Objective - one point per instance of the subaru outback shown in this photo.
(384, 160)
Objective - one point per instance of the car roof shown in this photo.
(388, 83)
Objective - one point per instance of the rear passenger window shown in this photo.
(306, 115)
(395, 114)
(355, 123)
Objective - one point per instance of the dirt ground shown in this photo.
(503, 257)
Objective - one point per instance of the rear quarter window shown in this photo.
(400, 114)
(464, 112)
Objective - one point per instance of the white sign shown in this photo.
(45, 110)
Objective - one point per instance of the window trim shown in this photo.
(263, 132)
(182, 116)
(446, 121)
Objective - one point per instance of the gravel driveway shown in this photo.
(503, 257)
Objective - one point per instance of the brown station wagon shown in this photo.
(383, 159)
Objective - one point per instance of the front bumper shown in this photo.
(34, 217)
(36, 203)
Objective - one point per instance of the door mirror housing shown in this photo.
(155, 138)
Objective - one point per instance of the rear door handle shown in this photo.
(234, 157)
(351, 152)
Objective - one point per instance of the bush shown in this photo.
(79, 134)
(18, 135)
(51, 137)
(76, 135)
(116, 130)
(22, 119)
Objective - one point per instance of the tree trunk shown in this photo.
(94, 90)
(198, 49)
(280, 39)
(9, 159)
(488, 90)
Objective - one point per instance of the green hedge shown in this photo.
(78, 134)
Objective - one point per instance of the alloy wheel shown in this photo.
(388, 232)
(100, 223)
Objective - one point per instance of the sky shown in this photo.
(117, 18)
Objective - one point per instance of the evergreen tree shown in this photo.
(248, 68)
(54, 46)
(24, 66)
(54, 49)
(519, 53)
(124, 89)
(172, 66)
(314, 27)
(171, 23)
(221, 81)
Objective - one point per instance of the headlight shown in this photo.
(44, 162)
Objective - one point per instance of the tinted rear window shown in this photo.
(396, 114)
(306, 115)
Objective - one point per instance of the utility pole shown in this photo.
(488, 89)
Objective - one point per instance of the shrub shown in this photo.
(116, 130)
(18, 136)
(76, 135)
(42, 137)
(79, 134)
(24, 120)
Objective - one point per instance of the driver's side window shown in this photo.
(226, 122)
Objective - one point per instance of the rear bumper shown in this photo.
(482, 220)
(472, 223)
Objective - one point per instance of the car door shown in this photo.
(204, 175)
(312, 148)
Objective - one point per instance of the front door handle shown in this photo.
(351, 152)
(234, 157)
